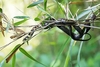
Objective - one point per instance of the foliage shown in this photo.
(55, 48)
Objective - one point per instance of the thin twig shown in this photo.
(12, 41)
(82, 25)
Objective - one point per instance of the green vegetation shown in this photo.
(52, 48)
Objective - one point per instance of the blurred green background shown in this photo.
(52, 45)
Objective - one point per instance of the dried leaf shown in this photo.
(19, 30)
(15, 36)
(1, 26)
(18, 33)
(2, 30)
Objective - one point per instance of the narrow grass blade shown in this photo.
(29, 56)
(41, 9)
(79, 52)
(35, 3)
(22, 17)
(68, 57)
(62, 8)
(88, 10)
(60, 51)
(20, 22)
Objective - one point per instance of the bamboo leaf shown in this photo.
(9, 56)
(45, 4)
(35, 3)
(79, 52)
(41, 9)
(68, 57)
(22, 17)
(88, 10)
(14, 60)
(62, 7)
(29, 56)
(20, 22)
(60, 51)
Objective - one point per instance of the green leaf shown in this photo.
(68, 57)
(37, 19)
(1, 64)
(20, 22)
(22, 17)
(45, 4)
(79, 52)
(35, 3)
(9, 56)
(14, 60)
(88, 10)
(60, 51)
(62, 7)
(29, 56)
(1, 10)
(41, 9)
